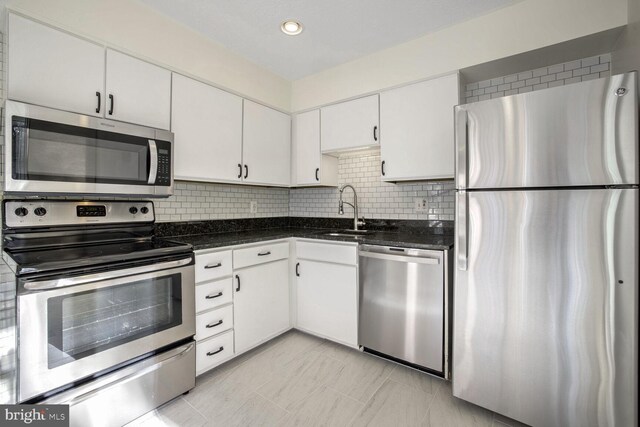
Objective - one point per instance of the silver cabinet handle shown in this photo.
(462, 229)
(213, 265)
(212, 353)
(213, 325)
(219, 294)
(264, 253)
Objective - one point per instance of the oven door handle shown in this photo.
(64, 282)
(153, 162)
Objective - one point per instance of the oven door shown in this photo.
(71, 328)
(55, 152)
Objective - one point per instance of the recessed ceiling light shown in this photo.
(291, 28)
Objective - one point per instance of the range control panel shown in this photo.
(49, 213)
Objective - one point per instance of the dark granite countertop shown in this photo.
(424, 239)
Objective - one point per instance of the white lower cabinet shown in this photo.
(243, 296)
(260, 303)
(214, 309)
(327, 292)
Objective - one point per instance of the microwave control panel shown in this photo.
(163, 177)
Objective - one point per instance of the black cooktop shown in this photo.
(50, 258)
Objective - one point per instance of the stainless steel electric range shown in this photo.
(104, 310)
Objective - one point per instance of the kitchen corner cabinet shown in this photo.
(310, 167)
(416, 130)
(207, 123)
(350, 125)
(54, 68)
(137, 91)
(266, 145)
(327, 291)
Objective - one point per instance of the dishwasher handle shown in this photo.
(401, 258)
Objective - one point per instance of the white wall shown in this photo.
(626, 54)
(526, 25)
(138, 29)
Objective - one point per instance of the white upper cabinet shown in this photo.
(416, 130)
(310, 166)
(53, 68)
(207, 123)
(266, 145)
(351, 124)
(137, 91)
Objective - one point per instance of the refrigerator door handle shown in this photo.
(462, 235)
(461, 138)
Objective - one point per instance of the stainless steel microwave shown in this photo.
(52, 152)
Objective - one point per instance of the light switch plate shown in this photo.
(253, 206)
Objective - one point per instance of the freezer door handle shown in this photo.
(461, 138)
(462, 233)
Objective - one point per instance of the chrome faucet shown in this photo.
(356, 221)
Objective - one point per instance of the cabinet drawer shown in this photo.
(213, 322)
(213, 265)
(260, 254)
(214, 351)
(327, 252)
(214, 294)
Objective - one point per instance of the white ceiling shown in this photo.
(335, 31)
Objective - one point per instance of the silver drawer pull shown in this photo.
(264, 253)
(213, 265)
(212, 353)
(219, 294)
(213, 325)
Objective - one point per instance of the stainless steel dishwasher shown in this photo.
(404, 306)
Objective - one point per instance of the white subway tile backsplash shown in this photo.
(541, 78)
(376, 199)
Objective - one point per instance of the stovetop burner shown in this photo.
(67, 245)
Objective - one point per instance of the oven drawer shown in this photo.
(214, 294)
(213, 322)
(260, 254)
(214, 351)
(213, 265)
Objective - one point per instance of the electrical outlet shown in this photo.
(253, 206)
(420, 204)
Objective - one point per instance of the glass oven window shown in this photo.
(89, 322)
(47, 151)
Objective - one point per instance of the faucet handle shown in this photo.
(362, 222)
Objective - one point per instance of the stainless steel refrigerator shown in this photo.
(546, 278)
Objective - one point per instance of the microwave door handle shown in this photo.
(153, 162)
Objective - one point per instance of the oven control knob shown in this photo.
(133, 210)
(40, 211)
(21, 211)
(144, 210)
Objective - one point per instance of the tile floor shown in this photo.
(300, 380)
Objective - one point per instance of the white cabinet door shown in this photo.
(137, 91)
(266, 145)
(54, 69)
(416, 130)
(349, 125)
(306, 139)
(327, 300)
(260, 303)
(310, 167)
(207, 123)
